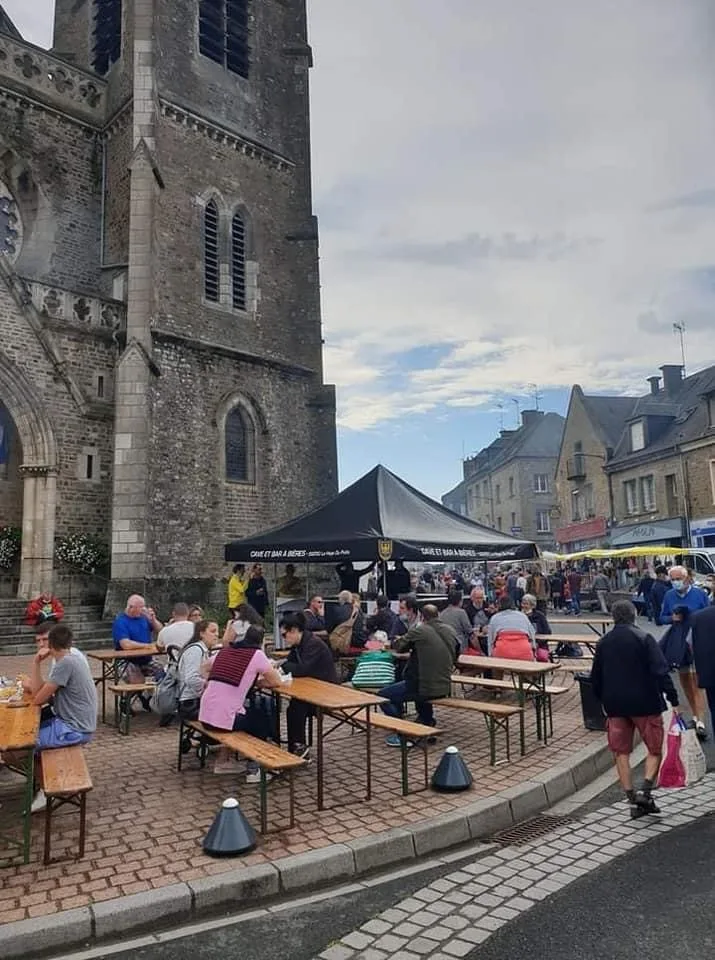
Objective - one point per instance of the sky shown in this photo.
(513, 197)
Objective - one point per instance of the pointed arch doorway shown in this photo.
(37, 469)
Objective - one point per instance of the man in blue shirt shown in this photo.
(681, 594)
(132, 630)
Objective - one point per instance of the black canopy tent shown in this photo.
(379, 517)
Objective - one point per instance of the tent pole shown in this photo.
(307, 583)
(384, 577)
(278, 643)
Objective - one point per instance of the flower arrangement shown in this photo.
(10, 542)
(82, 552)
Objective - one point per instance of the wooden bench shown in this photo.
(268, 756)
(410, 734)
(124, 693)
(550, 690)
(496, 716)
(65, 780)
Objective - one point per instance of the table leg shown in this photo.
(319, 718)
(105, 676)
(539, 709)
(277, 702)
(29, 795)
(522, 719)
(368, 741)
(545, 708)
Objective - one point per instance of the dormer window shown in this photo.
(637, 436)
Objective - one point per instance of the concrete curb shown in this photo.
(306, 871)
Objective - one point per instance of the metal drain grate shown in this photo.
(530, 830)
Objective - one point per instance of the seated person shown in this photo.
(359, 634)
(190, 676)
(308, 657)
(315, 618)
(375, 668)
(70, 693)
(227, 702)
(540, 624)
(457, 618)
(44, 608)
(432, 646)
(132, 630)
(244, 618)
(385, 619)
(510, 634)
(178, 631)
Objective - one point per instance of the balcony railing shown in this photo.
(576, 467)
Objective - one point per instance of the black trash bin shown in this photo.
(593, 716)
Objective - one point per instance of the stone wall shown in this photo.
(700, 481)
(579, 428)
(658, 469)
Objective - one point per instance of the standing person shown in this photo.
(629, 677)
(432, 646)
(574, 579)
(703, 637)
(308, 657)
(71, 693)
(557, 589)
(257, 591)
(644, 589)
(399, 582)
(315, 618)
(350, 577)
(602, 586)
(681, 593)
(676, 644)
(658, 590)
(237, 586)
(455, 615)
(538, 586)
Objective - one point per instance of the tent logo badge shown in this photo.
(384, 549)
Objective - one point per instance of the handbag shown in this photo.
(672, 770)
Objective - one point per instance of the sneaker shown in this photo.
(394, 741)
(146, 702)
(700, 731)
(167, 720)
(254, 776)
(39, 803)
(300, 750)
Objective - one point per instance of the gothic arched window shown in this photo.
(212, 269)
(223, 33)
(238, 261)
(239, 439)
(106, 34)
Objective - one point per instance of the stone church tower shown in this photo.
(161, 378)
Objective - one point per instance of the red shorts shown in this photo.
(622, 729)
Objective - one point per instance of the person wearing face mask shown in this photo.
(681, 602)
(682, 593)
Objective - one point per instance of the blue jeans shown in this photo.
(398, 695)
(576, 602)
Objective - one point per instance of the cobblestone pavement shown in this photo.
(146, 821)
(452, 915)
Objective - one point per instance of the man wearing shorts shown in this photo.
(629, 677)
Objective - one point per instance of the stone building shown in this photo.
(509, 485)
(161, 380)
(584, 499)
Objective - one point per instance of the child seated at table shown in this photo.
(376, 666)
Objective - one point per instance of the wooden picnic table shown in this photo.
(19, 727)
(530, 677)
(598, 626)
(109, 658)
(345, 704)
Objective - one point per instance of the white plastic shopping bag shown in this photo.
(691, 753)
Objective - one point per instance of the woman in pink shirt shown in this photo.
(234, 673)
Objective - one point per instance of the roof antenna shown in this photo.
(500, 407)
(679, 328)
(537, 396)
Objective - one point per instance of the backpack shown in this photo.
(340, 637)
(165, 698)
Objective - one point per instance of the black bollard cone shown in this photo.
(452, 773)
(230, 834)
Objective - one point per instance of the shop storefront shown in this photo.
(587, 535)
(667, 533)
(702, 532)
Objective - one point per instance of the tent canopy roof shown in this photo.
(379, 517)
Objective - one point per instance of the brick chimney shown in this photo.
(672, 378)
(530, 416)
(654, 385)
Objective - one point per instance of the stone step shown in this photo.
(23, 648)
(16, 633)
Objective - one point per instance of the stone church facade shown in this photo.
(161, 380)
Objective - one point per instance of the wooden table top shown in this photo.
(567, 637)
(586, 621)
(150, 651)
(528, 668)
(19, 725)
(330, 696)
